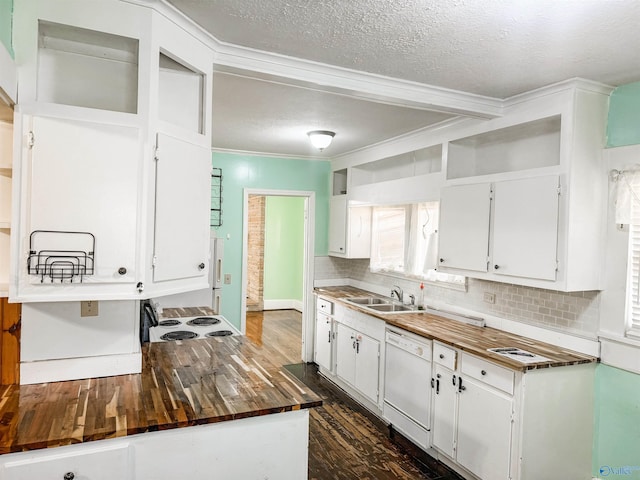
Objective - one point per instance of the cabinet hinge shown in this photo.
(154, 261)
(557, 265)
(156, 153)
(559, 190)
(31, 139)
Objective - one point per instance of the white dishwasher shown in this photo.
(407, 391)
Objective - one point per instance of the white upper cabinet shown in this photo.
(113, 127)
(464, 227)
(525, 227)
(543, 163)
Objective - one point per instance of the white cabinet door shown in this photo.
(323, 340)
(84, 177)
(463, 233)
(345, 353)
(337, 224)
(367, 366)
(444, 410)
(359, 232)
(183, 198)
(484, 430)
(525, 227)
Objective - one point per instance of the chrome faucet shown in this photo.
(398, 293)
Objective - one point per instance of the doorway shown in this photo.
(277, 279)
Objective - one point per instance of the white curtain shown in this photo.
(626, 190)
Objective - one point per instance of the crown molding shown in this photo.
(229, 58)
(286, 156)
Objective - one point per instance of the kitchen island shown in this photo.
(245, 416)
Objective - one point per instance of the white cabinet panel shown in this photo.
(367, 365)
(444, 410)
(525, 227)
(464, 227)
(337, 224)
(323, 340)
(84, 177)
(345, 354)
(358, 360)
(183, 190)
(484, 430)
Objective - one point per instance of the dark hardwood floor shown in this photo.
(346, 441)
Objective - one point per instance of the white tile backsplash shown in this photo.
(574, 313)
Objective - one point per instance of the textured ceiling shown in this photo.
(496, 48)
(279, 117)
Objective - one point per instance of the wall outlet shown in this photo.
(89, 309)
(489, 297)
(227, 279)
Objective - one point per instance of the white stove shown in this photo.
(191, 328)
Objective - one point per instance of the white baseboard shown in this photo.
(78, 368)
(283, 305)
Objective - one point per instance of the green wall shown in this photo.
(283, 248)
(6, 14)
(617, 392)
(246, 171)
(623, 127)
(617, 417)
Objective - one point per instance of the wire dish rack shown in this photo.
(61, 256)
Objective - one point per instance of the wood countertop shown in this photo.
(465, 337)
(182, 383)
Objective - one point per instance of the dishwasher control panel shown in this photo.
(405, 341)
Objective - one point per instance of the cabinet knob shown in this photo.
(442, 260)
(496, 267)
(483, 372)
(201, 266)
(462, 388)
(69, 476)
(122, 271)
(441, 356)
(140, 287)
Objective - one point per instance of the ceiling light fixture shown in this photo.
(321, 139)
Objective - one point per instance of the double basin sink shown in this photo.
(381, 304)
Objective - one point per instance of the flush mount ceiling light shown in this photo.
(321, 139)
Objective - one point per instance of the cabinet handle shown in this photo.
(140, 287)
(201, 266)
(357, 346)
(496, 267)
(122, 271)
(329, 340)
(437, 387)
(483, 372)
(69, 476)
(460, 386)
(454, 380)
(433, 383)
(441, 356)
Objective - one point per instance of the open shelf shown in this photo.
(85, 68)
(339, 182)
(181, 95)
(410, 164)
(529, 145)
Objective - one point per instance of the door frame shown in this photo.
(307, 263)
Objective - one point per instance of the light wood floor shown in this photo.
(346, 442)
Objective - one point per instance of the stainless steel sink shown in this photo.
(391, 308)
(366, 301)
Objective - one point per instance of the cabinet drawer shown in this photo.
(487, 372)
(445, 356)
(95, 463)
(324, 306)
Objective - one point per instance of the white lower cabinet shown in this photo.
(357, 360)
(324, 331)
(472, 417)
(501, 424)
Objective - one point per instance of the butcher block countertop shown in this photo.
(465, 337)
(182, 383)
